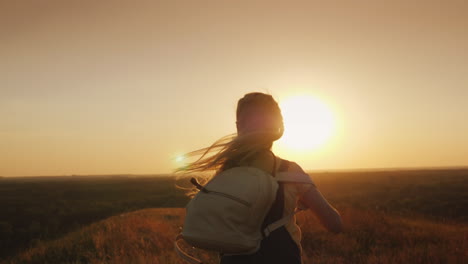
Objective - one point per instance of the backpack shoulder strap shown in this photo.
(284, 166)
(273, 171)
(284, 175)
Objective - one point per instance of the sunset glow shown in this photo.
(105, 88)
(309, 123)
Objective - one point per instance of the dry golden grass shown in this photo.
(146, 236)
(374, 237)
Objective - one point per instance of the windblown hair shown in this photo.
(259, 123)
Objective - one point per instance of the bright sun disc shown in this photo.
(308, 123)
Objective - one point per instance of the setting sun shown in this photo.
(309, 123)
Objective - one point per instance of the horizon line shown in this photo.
(372, 169)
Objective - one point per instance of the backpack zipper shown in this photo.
(232, 197)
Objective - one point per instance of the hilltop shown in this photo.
(146, 236)
(143, 236)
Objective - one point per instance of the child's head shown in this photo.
(259, 123)
(259, 112)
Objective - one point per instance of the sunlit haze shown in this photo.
(308, 122)
(110, 87)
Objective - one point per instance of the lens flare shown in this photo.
(180, 158)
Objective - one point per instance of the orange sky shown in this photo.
(102, 87)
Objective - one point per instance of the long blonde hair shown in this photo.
(259, 123)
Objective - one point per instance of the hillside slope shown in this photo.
(146, 236)
(143, 236)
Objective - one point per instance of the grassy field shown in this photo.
(417, 216)
(36, 209)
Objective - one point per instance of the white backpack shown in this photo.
(227, 214)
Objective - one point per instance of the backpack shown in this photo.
(227, 214)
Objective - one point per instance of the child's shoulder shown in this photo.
(293, 173)
(290, 166)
